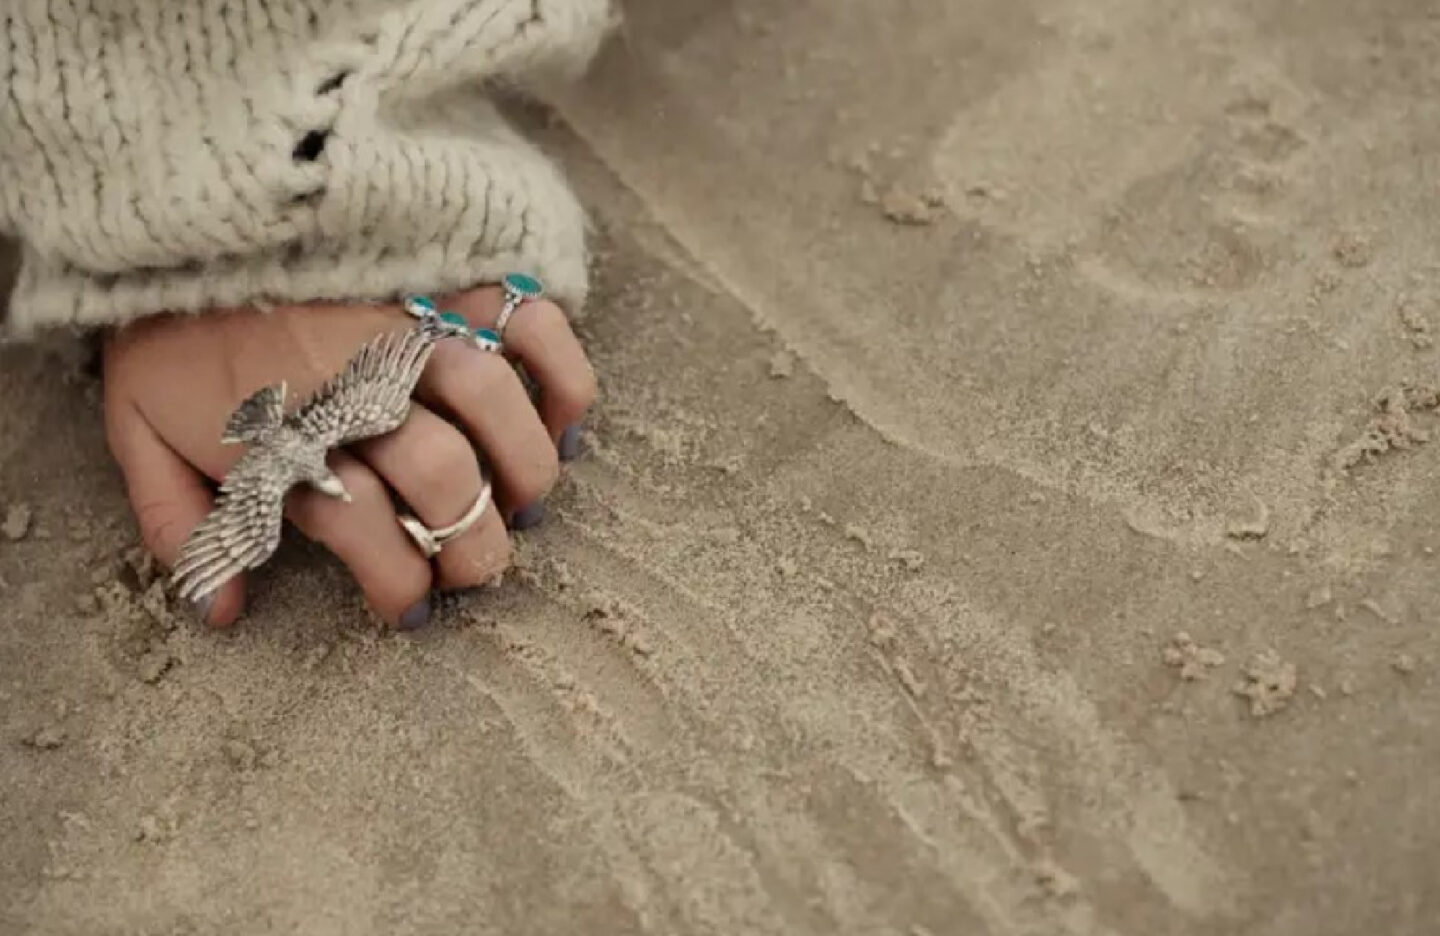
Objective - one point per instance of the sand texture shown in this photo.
(1011, 510)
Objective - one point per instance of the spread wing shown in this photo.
(242, 531)
(372, 395)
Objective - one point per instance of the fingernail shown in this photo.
(570, 443)
(528, 517)
(417, 617)
(202, 608)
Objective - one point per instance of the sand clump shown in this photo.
(1189, 658)
(1393, 427)
(16, 525)
(615, 618)
(782, 365)
(1253, 528)
(905, 207)
(1416, 324)
(1268, 682)
(46, 738)
(897, 202)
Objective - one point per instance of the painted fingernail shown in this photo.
(528, 517)
(570, 443)
(202, 608)
(417, 617)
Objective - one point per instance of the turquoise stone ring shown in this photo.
(519, 289)
(420, 306)
(526, 287)
(487, 339)
(445, 324)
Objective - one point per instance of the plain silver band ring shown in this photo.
(432, 541)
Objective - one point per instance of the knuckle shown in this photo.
(496, 560)
(479, 376)
(572, 398)
(403, 584)
(391, 591)
(541, 472)
(584, 390)
(310, 511)
(360, 481)
(548, 318)
(160, 525)
(442, 459)
(481, 564)
(535, 325)
(322, 516)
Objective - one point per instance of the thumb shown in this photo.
(169, 498)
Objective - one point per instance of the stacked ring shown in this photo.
(445, 324)
(519, 289)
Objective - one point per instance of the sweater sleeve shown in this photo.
(427, 45)
(162, 156)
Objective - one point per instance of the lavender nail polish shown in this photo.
(570, 443)
(202, 608)
(528, 517)
(417, 617)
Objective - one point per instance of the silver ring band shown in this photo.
(519, 289)
(432, 541)
(512, 302)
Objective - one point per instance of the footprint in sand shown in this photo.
(1123, 159)
(1214, 222)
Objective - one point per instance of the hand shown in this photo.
(172, 381)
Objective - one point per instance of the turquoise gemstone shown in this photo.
(527, 286)
(454, 318)
(420, 304)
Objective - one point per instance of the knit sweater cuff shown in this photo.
(335, 152)
(453, 41)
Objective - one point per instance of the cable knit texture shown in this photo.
(182, 155)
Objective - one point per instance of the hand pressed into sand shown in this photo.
(172, 381)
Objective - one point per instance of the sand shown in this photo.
(1011, 510)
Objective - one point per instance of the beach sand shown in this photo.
(1009, 511)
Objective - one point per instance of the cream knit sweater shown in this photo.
(179, 155)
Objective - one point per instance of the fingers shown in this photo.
(366, 535)
(482, 393)
(435, 470)
(539, 336)
(169, 497)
